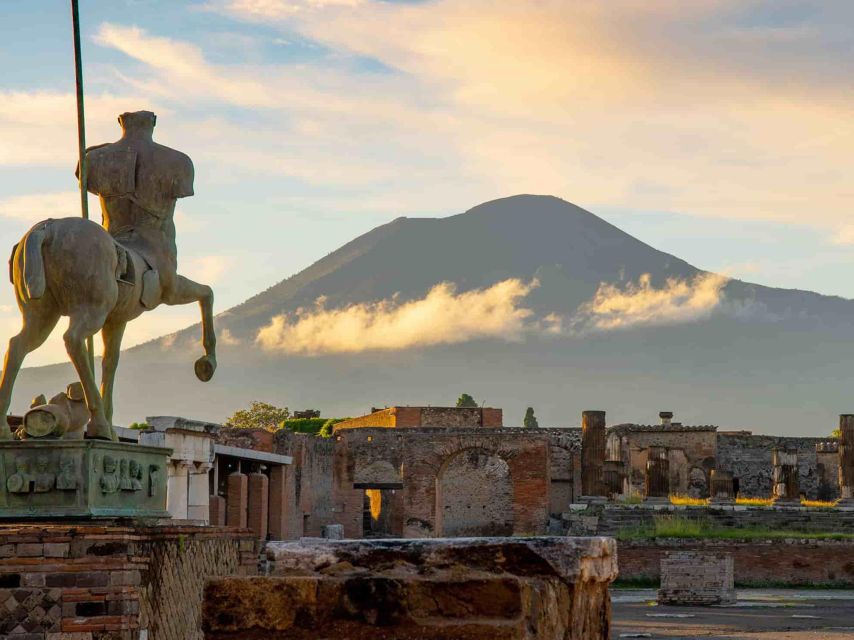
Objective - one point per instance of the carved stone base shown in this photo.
(82, 479)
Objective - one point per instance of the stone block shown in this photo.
(442, 589)
(332, 531)
(696, 578)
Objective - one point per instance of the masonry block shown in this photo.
(237, 501)
(258, 504)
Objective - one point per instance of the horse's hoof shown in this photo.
(205, 367)
(99, 431)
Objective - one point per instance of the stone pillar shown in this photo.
(613, 475)
(721, 489)
(666, 418)
(592, 454)
(657, 485)
(259, 498)
(785, 478)
(238, 497)
(217, 511)
(282, 503)
(846, 461)
(198, 500)
(176, 488)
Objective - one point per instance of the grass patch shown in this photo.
(677, 526)
(688, 501)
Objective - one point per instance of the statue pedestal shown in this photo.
(82, 479)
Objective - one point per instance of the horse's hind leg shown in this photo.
(82, 324)
(112, 334)
(187, 291)
(40, 317)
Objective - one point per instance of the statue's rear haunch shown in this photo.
(102, 277)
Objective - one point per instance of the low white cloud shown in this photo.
(35, 207)
(207, 269)
(228, 339)
(641, 304)
(443, 316)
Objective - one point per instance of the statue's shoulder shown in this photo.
(110, 169)
(178, 166)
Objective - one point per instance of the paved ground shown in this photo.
(768, 614)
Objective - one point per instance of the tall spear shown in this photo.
(81, 138)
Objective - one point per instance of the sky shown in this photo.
(717, 130)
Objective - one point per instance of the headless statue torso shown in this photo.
(138, 182)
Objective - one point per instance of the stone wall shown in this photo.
(790, 562)
(415, 417)
(693, 578)
(612, 519)
(451, 589)
(113, 582)
(313, 460)
(748, 458)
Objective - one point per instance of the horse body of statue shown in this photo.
(103, 277)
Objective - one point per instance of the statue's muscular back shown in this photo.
(138, 182)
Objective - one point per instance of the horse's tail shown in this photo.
(33, 283)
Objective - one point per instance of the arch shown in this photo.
(474, 494)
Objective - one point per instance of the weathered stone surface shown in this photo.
(446, 589)
(593, 439)
(722, 489)
(657, 475)
(696, 578)
(786, 489)
(846, 459)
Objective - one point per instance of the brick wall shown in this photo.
(110, 582)
(256, 439)
(790, 562)
(415, 417)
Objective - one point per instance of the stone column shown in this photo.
(657, 485)
(259, 498)
(721, 489)
(592, 455)
(198, 500)
(282, 506)
(217, 511)
(176, 488)
(846, 461)
(238, 497)
(785, 478)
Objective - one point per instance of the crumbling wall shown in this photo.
(313, 461)
(748, 458)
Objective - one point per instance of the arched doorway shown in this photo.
(474, 495)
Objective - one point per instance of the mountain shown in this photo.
(760, 358)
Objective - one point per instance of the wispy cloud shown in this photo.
(641, 304)
(207, 269)
(443, 316)
(35, 207)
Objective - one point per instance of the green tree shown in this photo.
(259, 415)
(465, 400)
(326, 429)
(530, 420)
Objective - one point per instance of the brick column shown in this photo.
(592, 454)
(721, 488)
(785, 478)
(217, 511)
(282, 503)
(846, 461)
(657, 485)
(238, 498)
(259, 497)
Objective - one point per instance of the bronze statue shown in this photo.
(103, 277)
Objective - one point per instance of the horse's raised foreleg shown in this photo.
(186, 292)
(39, 321)
(111, 333)
(82, 324)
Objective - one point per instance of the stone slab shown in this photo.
(443, 589)
(82, 479)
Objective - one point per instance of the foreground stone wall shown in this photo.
(442, 589)
(612, 519)
(748, 458)
(791, 562)
(112, 582)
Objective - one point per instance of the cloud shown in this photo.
(35, 207)
(443, 316)
(228, 339)
(207, 269)
(641, 304)
(185, 65)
